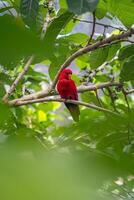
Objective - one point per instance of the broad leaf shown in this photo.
(113, 50)
(127, 72)
(82, 6)
(98, 57)
(126, 52)
(78, 38)
(53, 31)
(58, 59)
(29, 12)
(17, 43)
(123, 9)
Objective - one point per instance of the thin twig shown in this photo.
(100, 24)
(129, 91)
(93, 29)
(112, 98)
(125, 96)
(46, 20)
(17, 80)
(98, 99)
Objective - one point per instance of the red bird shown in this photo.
(67, 90)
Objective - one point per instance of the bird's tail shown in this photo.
(74, 111)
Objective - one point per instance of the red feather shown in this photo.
(67, 90)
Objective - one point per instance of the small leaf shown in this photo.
(101, 10)
(42, 116)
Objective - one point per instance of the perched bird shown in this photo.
(67, 90)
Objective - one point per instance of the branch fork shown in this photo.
(39, 96)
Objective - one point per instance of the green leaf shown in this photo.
(55, 65)
(101, 10)
(89, 97)
(29, 11)
(4, 78)
(53, 31)
(34, 76)
(113, 50)
(17, 43)
(63, 4)
(78, 38)
(126, 52)
(82, 61)
(80, 7)
(2, 90)
(127, 72)
(123, 9)
(6, 116)
(98, 57)
(69, 27)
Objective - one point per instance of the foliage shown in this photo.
(39, 143)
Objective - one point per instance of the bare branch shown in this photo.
(80, 89)
(112, 98)
(17, 80)
(129, 91)
(98, 99)
(42, 100)
(46, 20)
(125, 96)
(84, 88)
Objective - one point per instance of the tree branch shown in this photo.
(80, 89)
(92, 47)
(129, 91)
(17, 80)
(42, 100)
(20, 76)
(46, 20)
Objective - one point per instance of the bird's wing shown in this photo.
(62, 87)
(74, 89)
